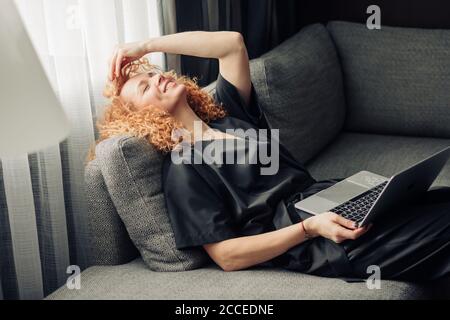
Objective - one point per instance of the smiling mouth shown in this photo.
(166, 85)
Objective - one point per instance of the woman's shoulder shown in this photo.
(230, 98)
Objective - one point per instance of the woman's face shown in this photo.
(153, 89)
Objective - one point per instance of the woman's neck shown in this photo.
(188, 118)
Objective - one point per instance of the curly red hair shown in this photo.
(150, 122)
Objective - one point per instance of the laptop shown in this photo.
(364, 196)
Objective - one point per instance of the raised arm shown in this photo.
(226, 46)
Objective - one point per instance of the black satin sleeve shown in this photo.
(197, 213)
(228, 95)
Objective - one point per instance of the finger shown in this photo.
(112, 65)
(125, 61)
(119, 62)
(346, 233)
(345, 222)
(351, 234)
(360, 231)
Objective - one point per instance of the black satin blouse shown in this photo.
(209, 203)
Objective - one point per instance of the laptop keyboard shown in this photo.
(357, 208)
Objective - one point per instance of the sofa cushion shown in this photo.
(131, 168)
(134, 281)
(396, 80)
(385, 155)
(299, 87)
(109, 243)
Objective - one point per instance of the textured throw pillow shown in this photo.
(133, 180)
(299, 86)
(109, 242)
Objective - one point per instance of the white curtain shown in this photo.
(42, 205)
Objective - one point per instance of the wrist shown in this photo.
(306, 235)
(147, 45)
(309, 234)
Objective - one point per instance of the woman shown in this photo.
(240, 217)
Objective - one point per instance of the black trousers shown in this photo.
(410, 243)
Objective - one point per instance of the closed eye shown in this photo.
(150, 75)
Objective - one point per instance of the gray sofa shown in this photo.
(345, 99)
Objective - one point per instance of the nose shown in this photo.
(159, 79)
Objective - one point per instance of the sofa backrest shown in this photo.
(397, 80)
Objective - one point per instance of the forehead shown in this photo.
(134, 81)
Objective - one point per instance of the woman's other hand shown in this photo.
(123, 54)
(334, 227)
